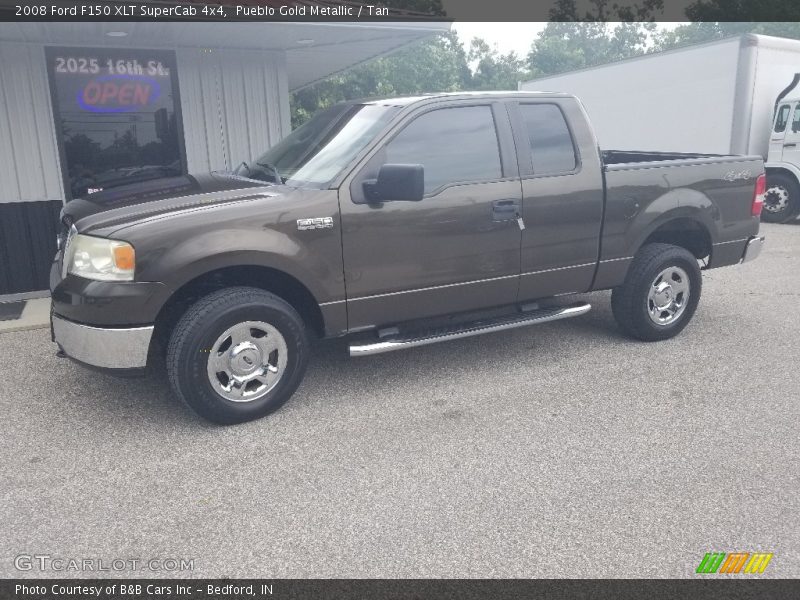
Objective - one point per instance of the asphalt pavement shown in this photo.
(561, 450)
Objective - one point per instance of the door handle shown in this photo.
(505, 210)
(789, 145)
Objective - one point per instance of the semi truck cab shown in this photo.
(782, 200)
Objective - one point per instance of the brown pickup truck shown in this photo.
(397, 222)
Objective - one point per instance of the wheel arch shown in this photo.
(256, 275)
(683, 230)
(783, 169)
(688, 227)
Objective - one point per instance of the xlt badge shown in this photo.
(315, 223)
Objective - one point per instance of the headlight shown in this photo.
(98, 258)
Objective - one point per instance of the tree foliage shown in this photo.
(436, 64)
(567, 46)
(698, 33)
(741, 11)
(605, 10)
(492, 70)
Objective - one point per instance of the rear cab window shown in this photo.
(552, 149)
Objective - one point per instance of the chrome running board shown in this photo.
(444, 334)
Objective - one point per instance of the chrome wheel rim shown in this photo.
(247, 361)
(776, 199)
(668, 296)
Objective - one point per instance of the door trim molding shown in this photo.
(474, 281)
(591, 264)
(434, 287)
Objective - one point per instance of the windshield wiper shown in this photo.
(274, 170)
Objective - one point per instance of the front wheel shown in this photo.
(660, 293)
(781, 200)
(237, 355)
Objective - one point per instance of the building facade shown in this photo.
(88, 106)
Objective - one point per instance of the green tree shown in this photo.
(492, 70)
(566, 46)
(606, 10)
(698, 33)
(438, 64)
(742, 11)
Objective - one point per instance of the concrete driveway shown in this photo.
(563, 450)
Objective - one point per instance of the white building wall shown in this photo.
(29, 161)
(235, 105)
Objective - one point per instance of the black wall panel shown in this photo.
(27, 245)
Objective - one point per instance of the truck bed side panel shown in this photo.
(716, 193)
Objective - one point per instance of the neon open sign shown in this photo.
(118, 93)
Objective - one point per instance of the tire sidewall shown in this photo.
(195, 353)
(675, 258)
(793, 204)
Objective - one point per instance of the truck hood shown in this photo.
(127, 203)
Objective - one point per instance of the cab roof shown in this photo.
(409, 100)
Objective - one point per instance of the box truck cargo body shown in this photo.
(715, 98)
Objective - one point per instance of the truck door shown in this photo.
(778, 133)
(457, 249)
(791, 139)
(562, 197)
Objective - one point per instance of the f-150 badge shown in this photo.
(734, 175)
(315, 223)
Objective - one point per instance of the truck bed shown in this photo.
(643, 189)
(616, 157)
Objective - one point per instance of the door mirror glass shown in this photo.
(396, 182)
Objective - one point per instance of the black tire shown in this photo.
(779, 184)
(630, 302)
(188, 352)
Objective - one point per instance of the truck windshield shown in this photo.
(317, 151)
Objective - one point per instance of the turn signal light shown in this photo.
(124, 257)
(758, 195)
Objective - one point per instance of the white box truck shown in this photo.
(714, 98)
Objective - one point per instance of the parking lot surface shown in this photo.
(562, 450)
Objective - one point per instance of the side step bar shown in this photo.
(444, 334)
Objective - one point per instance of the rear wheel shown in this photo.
(660, 293)
(781, 200)
(237, 355)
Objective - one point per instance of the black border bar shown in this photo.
(398, 589)
(458, 10)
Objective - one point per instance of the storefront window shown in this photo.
(116, 115)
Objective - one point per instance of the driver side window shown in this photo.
(454, 145)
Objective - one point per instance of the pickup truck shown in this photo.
(397, 222)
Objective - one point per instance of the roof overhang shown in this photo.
(313, 50)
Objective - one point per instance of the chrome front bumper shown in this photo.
(753, 248)
(101, 347)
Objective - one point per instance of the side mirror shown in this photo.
(396, 182)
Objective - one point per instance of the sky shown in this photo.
(509, 36)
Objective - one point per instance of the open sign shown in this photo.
(118, 93)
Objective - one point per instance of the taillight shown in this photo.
(758, 195)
